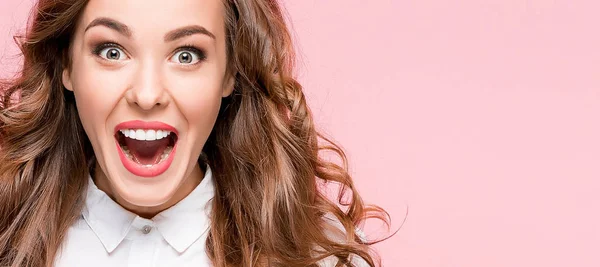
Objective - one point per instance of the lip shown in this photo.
(141, 170)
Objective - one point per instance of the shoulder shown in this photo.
(79, 246)
(337, 232)
(333, 221)
(332, 261)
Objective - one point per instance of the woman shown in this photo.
(141, 133)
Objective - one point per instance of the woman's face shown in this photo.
(148, 77)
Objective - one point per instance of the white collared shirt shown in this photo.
(108, 235)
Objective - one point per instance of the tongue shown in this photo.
(147, 152)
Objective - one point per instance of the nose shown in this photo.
(147, 90)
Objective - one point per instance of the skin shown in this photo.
(148, 81)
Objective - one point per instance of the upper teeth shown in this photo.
(145, 135)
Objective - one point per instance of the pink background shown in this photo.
(479, 117)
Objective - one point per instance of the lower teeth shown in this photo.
(163, 156)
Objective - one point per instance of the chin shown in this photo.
(149, 196)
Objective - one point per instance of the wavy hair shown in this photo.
(264, 150)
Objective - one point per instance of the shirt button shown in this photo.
(146, 229)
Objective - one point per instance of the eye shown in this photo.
(188, 56)
(110, 51)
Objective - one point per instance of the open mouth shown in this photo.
(146, 147)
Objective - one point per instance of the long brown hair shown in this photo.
(264, 150)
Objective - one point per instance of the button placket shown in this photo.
(142, 226)
(146, 229)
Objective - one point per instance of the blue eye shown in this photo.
(110, 52)
(188, 56)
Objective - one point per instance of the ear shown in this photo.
(228, 85)
(66, 79)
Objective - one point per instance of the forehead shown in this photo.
(158, 16)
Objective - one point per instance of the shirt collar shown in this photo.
(180, 225)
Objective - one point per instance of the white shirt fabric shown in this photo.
(108, 235)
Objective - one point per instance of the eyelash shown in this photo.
(193, 49)
(98, 48)
(188, 47)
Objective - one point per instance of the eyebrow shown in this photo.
(187, 31)
(110, 23)
(169, 37)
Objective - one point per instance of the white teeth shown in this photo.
(126, 152)
(140, 135)
(150, 135)
(145, 135)
(163, 156)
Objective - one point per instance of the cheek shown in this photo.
(198, 98)
(96, 93)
